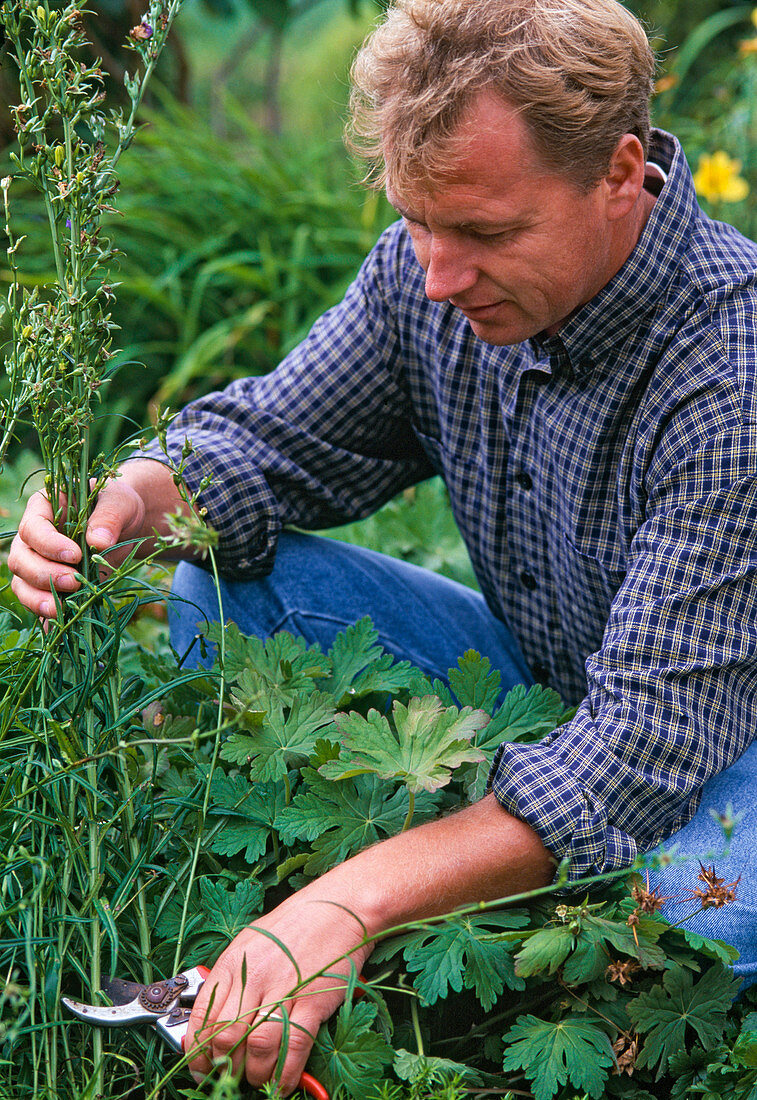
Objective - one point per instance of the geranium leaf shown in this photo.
(745, 1050)
(283, 739)
(525, 715)
(591, 953)
(228, 911)
(247, 813)
(551, 1054)
(278, 667)
(422, 1069)
(429, 743)
(545, 951)
(389, 676)
(168, 920)
(665, 1012)
(473, 682)
(355, 1057)
(463, 952)
(360, 665)
(342, 818)
(712, 949)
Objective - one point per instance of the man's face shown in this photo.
(514, 247)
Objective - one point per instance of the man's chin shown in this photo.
(500, 332)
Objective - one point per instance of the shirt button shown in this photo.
(524, 479)
(528, 580)
(541, 674)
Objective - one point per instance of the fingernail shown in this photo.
(47, 609)
(66, 583)
(198, 1077)
(100, 534)
(69, 556)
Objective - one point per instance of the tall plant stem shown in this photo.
(213, 763)
(410, 810)
(143, 921)
(127, 131)
(416, 1026)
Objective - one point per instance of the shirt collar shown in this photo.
(593, 330)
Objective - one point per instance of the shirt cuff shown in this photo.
(581, 799)
(238, 501)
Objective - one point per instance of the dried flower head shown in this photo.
(625, 1050)
(648, 901)
(717, 892)
(622, 971)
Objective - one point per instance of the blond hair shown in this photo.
(579, 71)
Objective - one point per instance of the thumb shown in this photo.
(118, 513)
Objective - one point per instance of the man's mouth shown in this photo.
(482, 312)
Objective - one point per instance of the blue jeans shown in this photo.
(319, 586)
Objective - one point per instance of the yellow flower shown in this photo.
(717, 178)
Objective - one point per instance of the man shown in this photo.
(555, 328)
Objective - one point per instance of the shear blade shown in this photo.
(120, 991)
(108, 1015)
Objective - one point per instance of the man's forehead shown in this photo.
(489, 153)
(464, 197)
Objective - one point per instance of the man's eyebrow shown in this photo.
(502, 225)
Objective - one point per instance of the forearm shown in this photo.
(478, 854)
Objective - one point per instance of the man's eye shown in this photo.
(496, 235)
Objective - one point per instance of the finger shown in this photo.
(40, 601)
(304, 1021)
(261, 1050)
(38, 571)
(38, 531)
(214, 1011)
(196, 1044)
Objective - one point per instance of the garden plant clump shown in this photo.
(149, 812)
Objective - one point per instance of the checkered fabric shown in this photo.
(604, 481)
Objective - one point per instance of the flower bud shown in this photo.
(41, 15)
(60, 155)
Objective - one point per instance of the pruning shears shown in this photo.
(166, 1005)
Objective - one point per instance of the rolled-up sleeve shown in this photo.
(672, 692)
(324, 439)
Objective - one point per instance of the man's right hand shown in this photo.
(131, 506)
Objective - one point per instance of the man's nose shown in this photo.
(449, 270)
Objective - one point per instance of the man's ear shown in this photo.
(625, 177)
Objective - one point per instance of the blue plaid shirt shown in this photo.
(604, 481)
